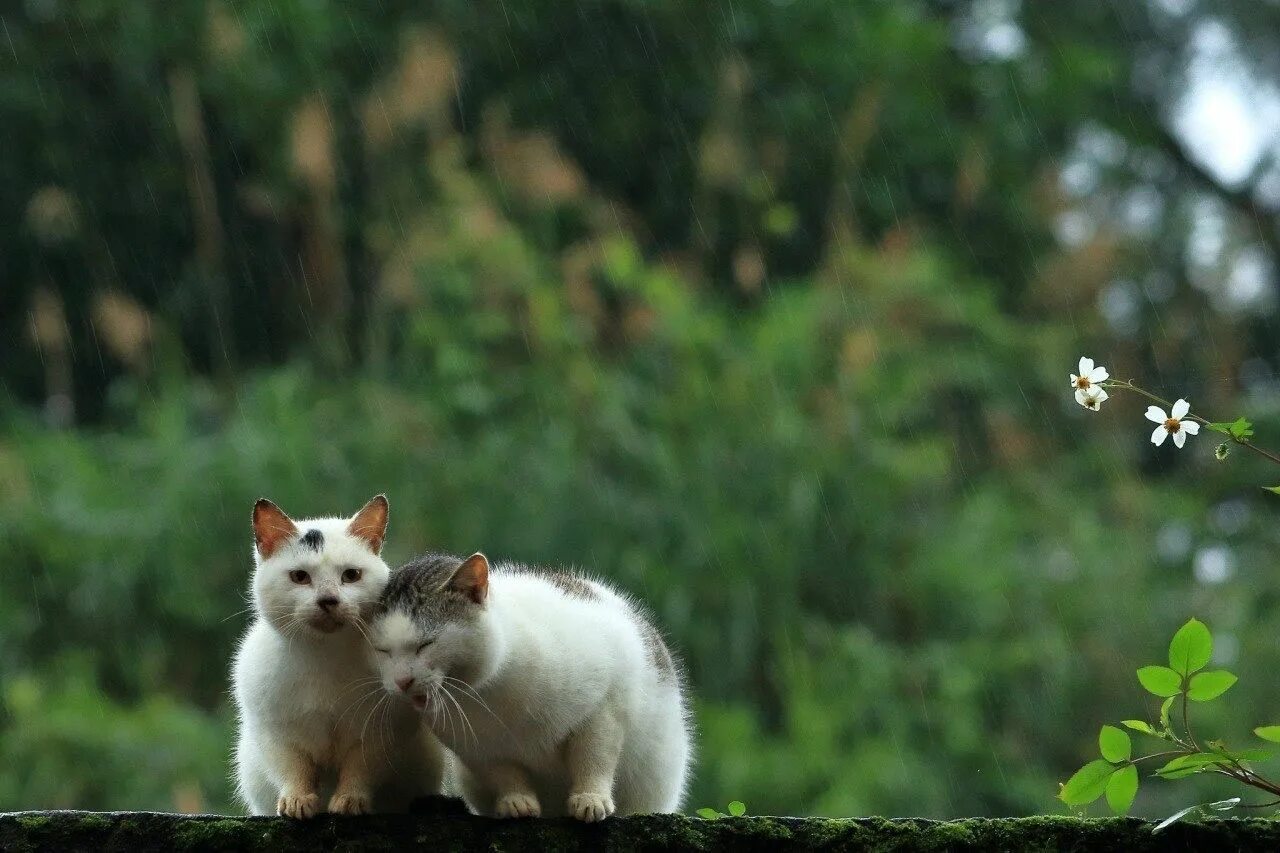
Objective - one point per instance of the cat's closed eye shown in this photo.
(382, 651)
(299, 576)
(423, 646)
(351, 575)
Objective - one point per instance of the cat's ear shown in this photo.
(472, 578)
(370, 523)
(271, 527)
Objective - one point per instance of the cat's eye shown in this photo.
(299, 576)
(351, 575)
(382, 651)
(423, 646)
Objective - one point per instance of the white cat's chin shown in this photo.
(326, 625)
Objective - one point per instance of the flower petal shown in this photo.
(1179, 438)
(1160, 434)
(1191, 427)
(1099, 374)
(1180, 409)
(1082, 397)
(1086, 364)
(1074, 378)
(1101, 394)
(1156, 415)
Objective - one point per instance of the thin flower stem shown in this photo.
(1127, 385)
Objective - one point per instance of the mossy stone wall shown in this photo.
(443, 826)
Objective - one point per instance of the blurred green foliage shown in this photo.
(755, 308)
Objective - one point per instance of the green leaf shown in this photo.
(710, 814)
(1140, 726)
(1271, 733)
(1190, 648)
(1160, 680)
(1239, 429)
(1122, 787)
(1088, 783)
(1164, 711)
(1185, 765)
(1221, 452)
(1115, 744)
(1209, 685)
(1275, 489)
(737, 808)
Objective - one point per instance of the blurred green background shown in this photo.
(763, 310)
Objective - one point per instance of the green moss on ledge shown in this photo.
(441, 825)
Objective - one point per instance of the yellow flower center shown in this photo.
(1173, 425)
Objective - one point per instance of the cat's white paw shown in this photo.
(350, 802)
(301, 806)
(517, 805)
(590, 807)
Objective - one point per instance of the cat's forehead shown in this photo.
(397, 628)
(326, 540)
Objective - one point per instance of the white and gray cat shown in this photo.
(554, 691)
(313, 723)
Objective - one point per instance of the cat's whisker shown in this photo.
(239, 613)
(358, 703)
(474, 696)
(359, 682)
(441, 708)
(362, 628)
(461, 712)
(368, 717)
(469, 691)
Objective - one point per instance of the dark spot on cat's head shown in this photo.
(313, 539)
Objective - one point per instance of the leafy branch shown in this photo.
(1183, 681)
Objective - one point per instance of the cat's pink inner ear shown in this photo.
(472, 577)
(370, 523)
(271, 527)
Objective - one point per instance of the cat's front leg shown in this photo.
(513, 794)
(352, 794)
(297, 773)
(592, 753)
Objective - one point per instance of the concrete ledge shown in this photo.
(442, 825)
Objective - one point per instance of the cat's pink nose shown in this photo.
(404, 683)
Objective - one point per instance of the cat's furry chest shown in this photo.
(319, 687)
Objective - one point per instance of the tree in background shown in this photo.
(760, 309)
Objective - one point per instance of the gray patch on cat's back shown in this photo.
(313, 539)
(571, 584)
(659, 654)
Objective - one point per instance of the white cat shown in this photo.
(553, 691)
(312, 719)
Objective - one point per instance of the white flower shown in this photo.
(1089, 375)
(1172, 423)
(1092, 398)
(1088, 393)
